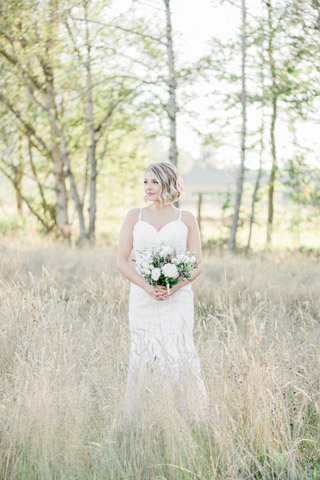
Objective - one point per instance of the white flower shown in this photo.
(147, 271)
(155, 274)
(165, 250)
(175, 260)
(193, 259)
(182, 258)
(170, 270)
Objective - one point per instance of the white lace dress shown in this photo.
(162, 351)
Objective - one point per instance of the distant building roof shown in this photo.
(211, 180)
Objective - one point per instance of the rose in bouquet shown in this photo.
(162, 265)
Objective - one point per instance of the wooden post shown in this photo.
(199, 210)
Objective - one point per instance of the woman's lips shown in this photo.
(150, 194)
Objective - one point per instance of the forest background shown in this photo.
(94, 91)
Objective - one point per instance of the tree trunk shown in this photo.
(256, 188)
(316, 6)
(257, 184)
(18, 188)
(273, 172)
(62, 164)
(48, 208)
(18, 177)
(92, 148)
(232, 239)
(172, 85)
(58, 163)
(58, 171)
(272, 125)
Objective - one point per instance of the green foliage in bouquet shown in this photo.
(163, 265)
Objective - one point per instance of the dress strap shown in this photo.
(180, 215)
(140, 213)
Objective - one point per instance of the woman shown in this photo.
(162, 349)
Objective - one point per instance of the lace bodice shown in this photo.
(145, 235)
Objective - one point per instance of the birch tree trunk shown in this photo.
(272, 125)
(262, 129)
(234, 226)
(60, 150)
(57, 158)
(60, 180)
(92, 147)
(172, 86)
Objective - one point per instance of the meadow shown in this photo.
(64, 357)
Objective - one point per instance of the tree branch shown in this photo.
(29, 130)
(128, 30)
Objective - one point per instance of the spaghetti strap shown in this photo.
(140, 213)
(180, 215)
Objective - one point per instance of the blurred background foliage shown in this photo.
(92, 91)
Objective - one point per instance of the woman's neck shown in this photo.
(156, 207)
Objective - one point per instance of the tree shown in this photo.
(262, 146)
(235, 219)
(87, 36)
(155, 64)
(293, 78)
(33, 71)
(38, 58)
(172, 87)
(274, 102)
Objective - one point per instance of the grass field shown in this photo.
(64, 358)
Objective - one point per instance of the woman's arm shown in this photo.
(124, 251)
(125, 248)
(194, 245)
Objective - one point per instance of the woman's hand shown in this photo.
(158, 293)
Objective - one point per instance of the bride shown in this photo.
(163, 362)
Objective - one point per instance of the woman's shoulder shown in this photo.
(133, 211)
(132, 215)
(187, 216)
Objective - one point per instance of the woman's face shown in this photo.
(152, 186)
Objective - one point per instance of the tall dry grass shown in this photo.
(64, 358)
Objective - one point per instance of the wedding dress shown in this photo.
(162, 350)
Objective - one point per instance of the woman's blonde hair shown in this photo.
(170, 181)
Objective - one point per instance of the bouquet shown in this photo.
(162, 265)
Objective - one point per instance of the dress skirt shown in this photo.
(164, 368)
